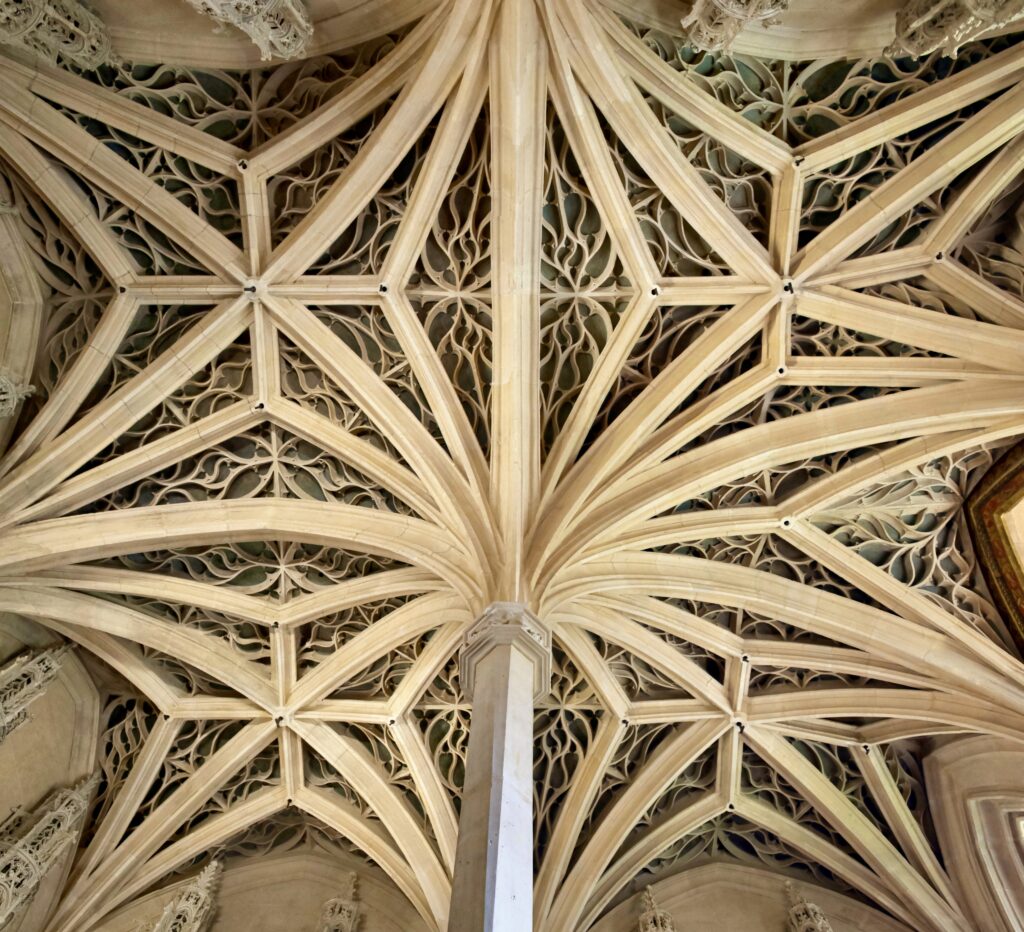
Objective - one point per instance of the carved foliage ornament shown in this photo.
(23, 681)
(31, 844)
(712, 25)
(922, 26)
(12, 393)
(192, 909)
(804, 916)
(341, 914)
(653, 919)
(57, 30)
(279, 28)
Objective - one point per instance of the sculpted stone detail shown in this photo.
(804, 916)
(12, 393)
(23, 681)
(341, 914)
(193, 908)
(507, 623)
(31, 843)
(58, 30)
(745, 529)
(922, 26)
(654, 919)
(712, 25)
(279, 28)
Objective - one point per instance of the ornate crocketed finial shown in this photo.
(277, 27)
(12, 393)
(922, 26)
(804, 916)
(23, 681)
(32, 842)
(712, 25)
(192, 909)
(653, 919)
(57, 30)
(341, 914)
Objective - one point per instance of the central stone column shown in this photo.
(505, 666)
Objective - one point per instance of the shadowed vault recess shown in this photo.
(696, 355)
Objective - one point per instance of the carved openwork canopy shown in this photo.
(695, 356)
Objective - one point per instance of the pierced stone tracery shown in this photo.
(277, 512)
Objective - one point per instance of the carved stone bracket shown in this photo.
(57, 30)
(23, 681)
(653, 919)
(922, 26)
(712, 25)
(341, 914)
(804, 916)
(507, 623)
(280, 28)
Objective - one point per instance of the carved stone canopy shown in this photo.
(507, 623)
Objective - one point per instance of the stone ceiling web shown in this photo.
(695, 355)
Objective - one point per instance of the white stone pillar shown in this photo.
(31, 843)
(192, 909)
(23, 681)
(505, 667)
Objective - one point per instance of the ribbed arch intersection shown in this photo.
(697, 355)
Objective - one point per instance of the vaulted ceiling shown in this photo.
(696, 354)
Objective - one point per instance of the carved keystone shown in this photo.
(513, 624)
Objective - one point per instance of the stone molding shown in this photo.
(278, 28)
(507, 623)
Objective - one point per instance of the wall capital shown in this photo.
(508, 623)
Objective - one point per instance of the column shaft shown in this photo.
(493, 884)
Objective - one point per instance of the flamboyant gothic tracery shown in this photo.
(526, 329)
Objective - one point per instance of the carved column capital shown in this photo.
(507, 623)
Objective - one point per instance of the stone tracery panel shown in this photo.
(411, 381)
